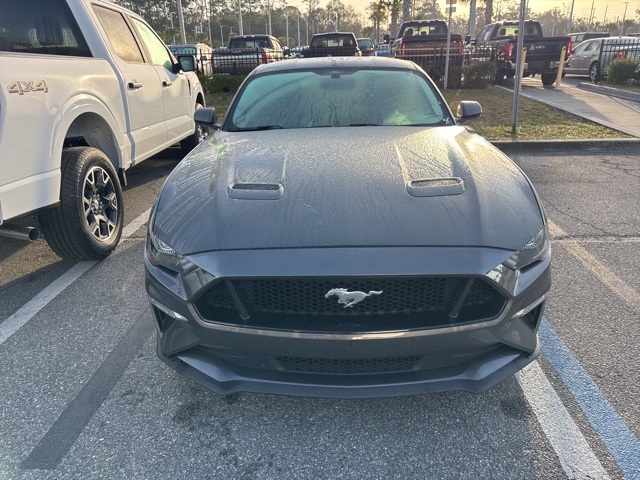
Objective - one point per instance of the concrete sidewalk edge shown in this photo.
(519, 146)
(609, 91)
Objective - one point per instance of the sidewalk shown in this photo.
(586, 101)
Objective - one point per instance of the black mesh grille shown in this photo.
(348, 366)
(308, 297)
(305, 304)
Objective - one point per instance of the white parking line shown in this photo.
(576, 457)
(25, 313)
(601, 272)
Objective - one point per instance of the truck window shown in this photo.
(40, 26)
(155, 47)
(120, 37)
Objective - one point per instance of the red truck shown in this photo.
(425, 43)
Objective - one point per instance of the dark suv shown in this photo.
(366, 46)
(335, 44)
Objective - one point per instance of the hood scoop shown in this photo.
(435, 187)
(255, 191)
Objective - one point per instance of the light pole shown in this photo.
(626, 4)
(335, 19)
(570, 17)
(286, 16)
(240, 29)
(183, 35)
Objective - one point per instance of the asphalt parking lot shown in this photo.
(84, 395)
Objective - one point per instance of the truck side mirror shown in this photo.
(187, 63)
(386, 39)
(467, 40)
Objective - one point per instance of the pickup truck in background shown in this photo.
(500, 40)
(334, 44)
(425, 42)
(87, 90)
(246, 52)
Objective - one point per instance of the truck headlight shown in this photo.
(535, 250)
(162, 255)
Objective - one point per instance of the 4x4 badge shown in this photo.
(20, 87)
(349, 299)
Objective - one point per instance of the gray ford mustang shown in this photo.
(340, 235)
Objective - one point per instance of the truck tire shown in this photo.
(548, 78)
(87, 224)
(500, 76)
(195, 138)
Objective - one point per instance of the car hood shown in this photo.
(357, 186)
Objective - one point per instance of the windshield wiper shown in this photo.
(268, 127)
(253, 129)
(364, 125)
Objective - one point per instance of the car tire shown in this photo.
(548, 78)
(593, 71)
(87, 223)
(500, 76)
(196, 137)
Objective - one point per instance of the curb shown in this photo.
(609, 91)
(530, 146)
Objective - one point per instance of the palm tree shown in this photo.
(377, 14)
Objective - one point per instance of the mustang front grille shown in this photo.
(351, 304)
(348, 366)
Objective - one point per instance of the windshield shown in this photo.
(335, 98)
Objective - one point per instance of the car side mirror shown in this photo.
(468, 110)
(467, 39)
(206, 117)
(387, 39)
(286, 51)
(187, 63)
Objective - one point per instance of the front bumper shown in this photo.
(231, 358)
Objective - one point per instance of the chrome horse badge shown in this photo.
(349, 299)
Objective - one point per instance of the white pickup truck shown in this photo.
(87, 90)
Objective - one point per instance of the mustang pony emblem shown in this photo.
(349, 299)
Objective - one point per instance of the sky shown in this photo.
(581, 8)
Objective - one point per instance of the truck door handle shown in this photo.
(134, 85)
(166, 83)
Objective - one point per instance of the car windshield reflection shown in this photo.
(333, 97)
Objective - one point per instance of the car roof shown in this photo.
(337, 62)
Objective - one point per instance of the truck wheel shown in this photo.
(500, 75)
(195, 138)
(593, 71)
(548, 78)
(87, 224)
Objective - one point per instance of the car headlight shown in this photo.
(535, 250)
(162, 255)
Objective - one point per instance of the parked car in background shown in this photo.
(400, 253)
(577, 38)
(382, 49)
(246, 52)
(366, 47)
(591, 57)
(499, 42)
(334, 44)
(201, 51)
(425, 43)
